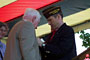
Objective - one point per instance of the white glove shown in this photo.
(40, 41)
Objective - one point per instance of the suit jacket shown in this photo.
(61, 47)
(22, 43)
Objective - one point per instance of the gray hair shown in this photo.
(32, 12)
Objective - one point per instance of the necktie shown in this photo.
(50, 36)
(53, 33)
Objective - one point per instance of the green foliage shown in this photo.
(85, 37)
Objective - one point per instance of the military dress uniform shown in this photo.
(62, 45)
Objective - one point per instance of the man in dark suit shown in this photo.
(60, 43)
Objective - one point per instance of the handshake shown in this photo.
(40, 41)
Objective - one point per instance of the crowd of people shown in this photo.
(22, 43)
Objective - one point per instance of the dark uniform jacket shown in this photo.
(61, 47)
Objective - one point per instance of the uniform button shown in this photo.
(47, 51)
(45, 56)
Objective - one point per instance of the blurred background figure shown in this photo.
(3, 31)
(22, 42)
(87, 57)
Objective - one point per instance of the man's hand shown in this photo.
(40, 41)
